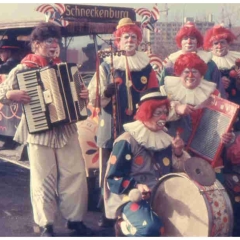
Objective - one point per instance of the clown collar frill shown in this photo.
(227, 61)
(205, 56)
(136, 62)
(177, 92)
(150, 140)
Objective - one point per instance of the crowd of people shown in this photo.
(138, 134)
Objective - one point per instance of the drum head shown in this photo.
(200, 171)
(181, 207)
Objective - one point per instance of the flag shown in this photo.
(53, 13)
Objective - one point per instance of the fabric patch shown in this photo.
(166, 161)
(102, 123)
(125, 183)
(134, 207)
(143, 80)
(139, 160)
(113, 159)
(144, 223)
(235, 179)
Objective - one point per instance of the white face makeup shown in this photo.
(158, 119)
(128, 42)
(220, 47)
(48, 48)
(189, 44)
(190, 78)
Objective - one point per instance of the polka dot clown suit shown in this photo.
(140, 156)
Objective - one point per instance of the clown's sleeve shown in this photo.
(102, 84)
(120, 162)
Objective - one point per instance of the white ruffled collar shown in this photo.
(151, 140)
(205, 56)
(227, 61)
(136, 62)
(176, 91)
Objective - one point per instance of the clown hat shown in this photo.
(125, 22)
(189, 29)
(151, 94)
(9, 44)
(216, 33)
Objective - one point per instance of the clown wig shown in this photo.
(189, 60)
(125, 29)
(146, 108)
(187, 30)
(215, 34)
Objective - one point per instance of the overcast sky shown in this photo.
(227, 12)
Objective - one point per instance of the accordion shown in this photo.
(217, 118)
(54, 92)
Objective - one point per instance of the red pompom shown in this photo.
(233, 74)
(118, 80)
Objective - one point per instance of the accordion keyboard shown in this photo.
(35, 110)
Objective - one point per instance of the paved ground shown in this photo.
(15, 207)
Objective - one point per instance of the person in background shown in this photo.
(90, 64)
(57, 171)
(140, 156)
(132, 74)
(10, 50)
(189, 39)
(9, 55)
(218, 40)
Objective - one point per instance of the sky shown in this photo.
(228, 12)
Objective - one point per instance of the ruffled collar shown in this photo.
(136, 62)
(176, 91)
(227, 61)
(36, 61)
(151, 140)
(205, 56)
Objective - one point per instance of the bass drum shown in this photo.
(190, 210)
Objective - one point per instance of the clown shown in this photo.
(189, 39)
(189, 93)
(141, 155)
(218, 40)
(135, 75)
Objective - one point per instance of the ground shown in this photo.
(16, 218)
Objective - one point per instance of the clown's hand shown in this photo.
(228, 138)
(110, 90)
(145, 190)
(177, 145)
(225, 82)
(184, 109)
(238, 73)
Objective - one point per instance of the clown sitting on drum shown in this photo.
(140, 156)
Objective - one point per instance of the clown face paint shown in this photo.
(190, 78)
(220, 47)
(129, 43)
(48, 48)
(158, 119)
(189, 44)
